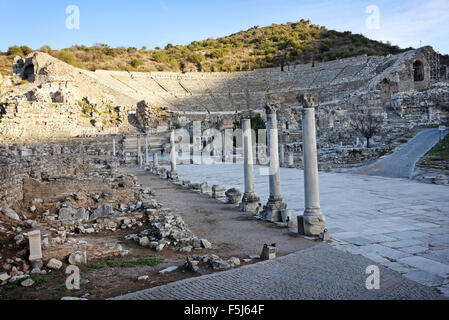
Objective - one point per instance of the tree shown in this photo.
(366, 123)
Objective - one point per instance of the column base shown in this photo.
(172, 175)
(314, 222)
(273, 210)
(250, 202)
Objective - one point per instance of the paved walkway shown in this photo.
(320, 272)
(401, 163)
(398, 223)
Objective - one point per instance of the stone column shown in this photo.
(113, 147)
(146, 149)
(275, 204)
(155, 160)
(34, 239)
(291, 160)
(138, 151)
(250, 201)
(173, 174)
(314, 220)
(281, 155)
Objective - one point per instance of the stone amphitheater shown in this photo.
(46, 98)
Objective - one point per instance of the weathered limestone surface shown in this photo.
(275, 206)
(250, 200)
(314, 220)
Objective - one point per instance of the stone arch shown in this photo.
(28, 72)
(385, 93)
(418, 71)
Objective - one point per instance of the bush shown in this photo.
(14, 51)
(196, 58)
(135, 63)
(26, 50)
(45, 49)
(219, 53)
(160, 56)
(67, 56)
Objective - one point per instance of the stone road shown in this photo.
(401, 163)
(399, 223)
(320, 272)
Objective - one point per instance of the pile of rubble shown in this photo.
(167, 230)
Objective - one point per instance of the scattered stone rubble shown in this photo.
(167, 230)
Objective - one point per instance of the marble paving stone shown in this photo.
(402, 243)
(384, 251)
(426, 265)
(359, 241)
(425, 278)
(407, 235)
(414, 250)
(432, 255)
(399, 267)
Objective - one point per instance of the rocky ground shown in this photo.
(125, 229)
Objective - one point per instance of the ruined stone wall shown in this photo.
(17, 164)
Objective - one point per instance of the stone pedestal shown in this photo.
(275, 206)
(34, 239)
(218, 192)
(250, 201)
(114, 153)
(314, 220)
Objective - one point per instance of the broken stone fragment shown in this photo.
(234, 262)
(168, 270)
(220, 264)
(10, 213)
(144, 241)
(206, 244)
(78, 258)
(27, 283)
(104, 210)
(54, 264)
(185, 249)
(4, 277)
(233, 196)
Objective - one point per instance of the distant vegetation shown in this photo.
(272, 46)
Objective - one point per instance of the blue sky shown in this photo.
(158, 22)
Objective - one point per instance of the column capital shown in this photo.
(271, 108)
(307, 100)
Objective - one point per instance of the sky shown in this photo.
(151, 23)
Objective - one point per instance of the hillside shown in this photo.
(258, 47)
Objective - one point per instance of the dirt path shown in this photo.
(231, 232)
